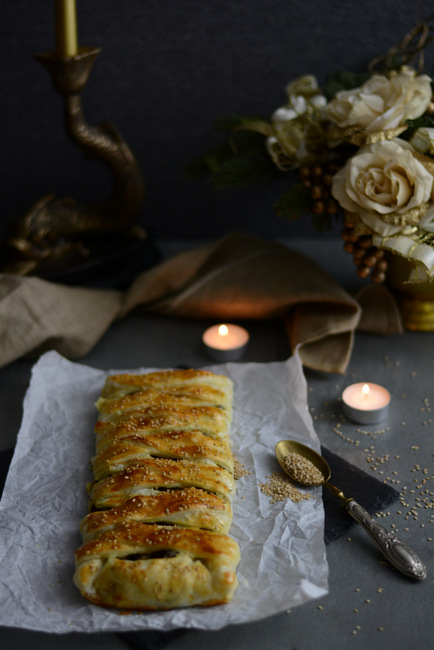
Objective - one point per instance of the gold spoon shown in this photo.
(300, 469)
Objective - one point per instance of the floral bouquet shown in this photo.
(362, 148)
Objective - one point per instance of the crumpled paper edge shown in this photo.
(283, 560)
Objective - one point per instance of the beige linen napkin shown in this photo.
(36, 316)
(242, 277)
(237, 277)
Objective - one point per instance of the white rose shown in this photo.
(382, 103)
(382, 183)
(294, 123)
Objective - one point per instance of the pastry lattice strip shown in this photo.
(211, 420)
(155, 567)
(190, 507)
(177, 445)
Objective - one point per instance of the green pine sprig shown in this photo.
(297, 203)
(241, 160)
(244, 169)
(413, 125)
(294, 203)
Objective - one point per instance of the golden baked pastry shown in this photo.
(152, 474)
(190, 507)
(211, 420)
(110, 407)
(160, 502)
(118, 385)
(141, 566)
(192, 445)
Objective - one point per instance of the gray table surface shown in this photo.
(369, 604)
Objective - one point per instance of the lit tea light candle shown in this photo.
(225, 342)
(366, 403)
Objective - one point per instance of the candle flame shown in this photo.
(365, 390)
(223, 330)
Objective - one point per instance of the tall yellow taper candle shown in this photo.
(66, 29)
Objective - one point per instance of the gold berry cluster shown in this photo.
(319, 181)
(369, 259)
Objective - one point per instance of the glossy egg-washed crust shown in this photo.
(191, 507)
(211, 420)
(178, 445)
(160, 502)
(191, 395)
(145, 566)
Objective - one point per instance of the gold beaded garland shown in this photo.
(319, 180)
(368, 259)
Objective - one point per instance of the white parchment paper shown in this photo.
(283, 561)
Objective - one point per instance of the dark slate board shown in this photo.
(372, 494)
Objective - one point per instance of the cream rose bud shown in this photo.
(307, 85)
(381, 179)
(319, 101)
(423, 140)
(284, 114)
(382, 103)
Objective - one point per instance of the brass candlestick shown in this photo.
(58, 232)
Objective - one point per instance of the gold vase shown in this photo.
(415, 299)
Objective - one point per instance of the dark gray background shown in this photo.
(167, 69)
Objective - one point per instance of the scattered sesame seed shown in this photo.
(239, 469)
(279, 487)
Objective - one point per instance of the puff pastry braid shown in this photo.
(160, 509)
